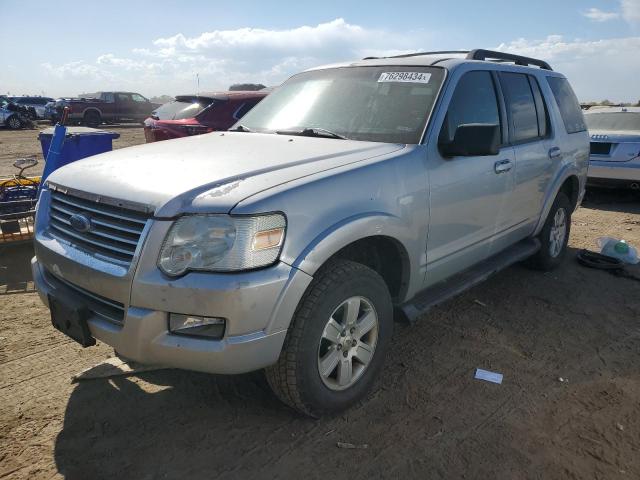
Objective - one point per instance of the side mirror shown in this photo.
(473, 139)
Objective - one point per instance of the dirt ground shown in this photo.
(426, 418)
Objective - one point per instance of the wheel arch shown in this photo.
(373, 240)
(568, 182)
(91, 109)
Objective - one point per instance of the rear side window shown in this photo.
(521, 107)
(568, 104)
(474, 101)
(541, 108)
(183, 107)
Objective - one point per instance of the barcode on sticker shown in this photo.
(408, 77)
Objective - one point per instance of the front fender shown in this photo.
(349, 230)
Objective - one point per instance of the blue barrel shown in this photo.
(79, 143)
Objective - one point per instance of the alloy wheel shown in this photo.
(14, 123)
(557, 233)
(348, 343)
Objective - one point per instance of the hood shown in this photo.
(220, 169)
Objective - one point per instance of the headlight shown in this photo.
(221, 243)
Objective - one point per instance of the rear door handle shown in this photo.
(502, 166)
(554, 153)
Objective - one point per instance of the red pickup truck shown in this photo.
(103, 107)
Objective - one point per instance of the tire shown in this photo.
(92, 119)
(553, 239)
(296, 377)
(13, 122)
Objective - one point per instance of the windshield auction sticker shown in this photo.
(408, 77)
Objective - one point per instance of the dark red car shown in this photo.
(197, 114)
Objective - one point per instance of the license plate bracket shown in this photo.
(70, 316)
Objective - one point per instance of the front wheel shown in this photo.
(554, 235)
(14, 122)
(337, 342)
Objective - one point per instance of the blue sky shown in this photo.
(69, 47)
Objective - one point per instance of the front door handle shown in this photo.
(502, 166)
(554, 153)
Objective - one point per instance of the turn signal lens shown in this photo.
(267, 239)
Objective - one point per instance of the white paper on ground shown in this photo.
(488, 376)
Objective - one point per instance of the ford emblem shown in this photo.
(80, 223)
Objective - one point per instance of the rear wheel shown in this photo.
(13, 122)
(92, 119)
(337, 342)
(554, 235)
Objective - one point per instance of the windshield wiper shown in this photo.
(241, 128)
(312, 132)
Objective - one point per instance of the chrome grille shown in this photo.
(114, 233)
(110, 310)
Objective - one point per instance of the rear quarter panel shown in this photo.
(574, 148)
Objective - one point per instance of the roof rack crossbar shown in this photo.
(419, 54)
(481, 54)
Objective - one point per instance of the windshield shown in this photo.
(182, 107)
(618, 121)
(380, 104)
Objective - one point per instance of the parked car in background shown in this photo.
(287, 242)
(102, 107)
(201, 113)
(8, 118)
(14, 116)
(38, 104)
(615, 146)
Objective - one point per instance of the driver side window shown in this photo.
(474, 101)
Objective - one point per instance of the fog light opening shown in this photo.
(196, 325)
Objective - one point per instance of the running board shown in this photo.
(460, 282)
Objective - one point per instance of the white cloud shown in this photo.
(597, 15)
(630, 10)
(76, 69)
(223, 57)
(597, 69)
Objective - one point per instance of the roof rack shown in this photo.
(480, 54)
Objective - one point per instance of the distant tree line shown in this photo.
(609, 103)
(247, 86)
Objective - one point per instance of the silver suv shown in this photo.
(353, 191)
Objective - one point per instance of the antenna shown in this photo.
(198, 84)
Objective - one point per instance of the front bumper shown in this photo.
(260, 309)
(625, 171)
